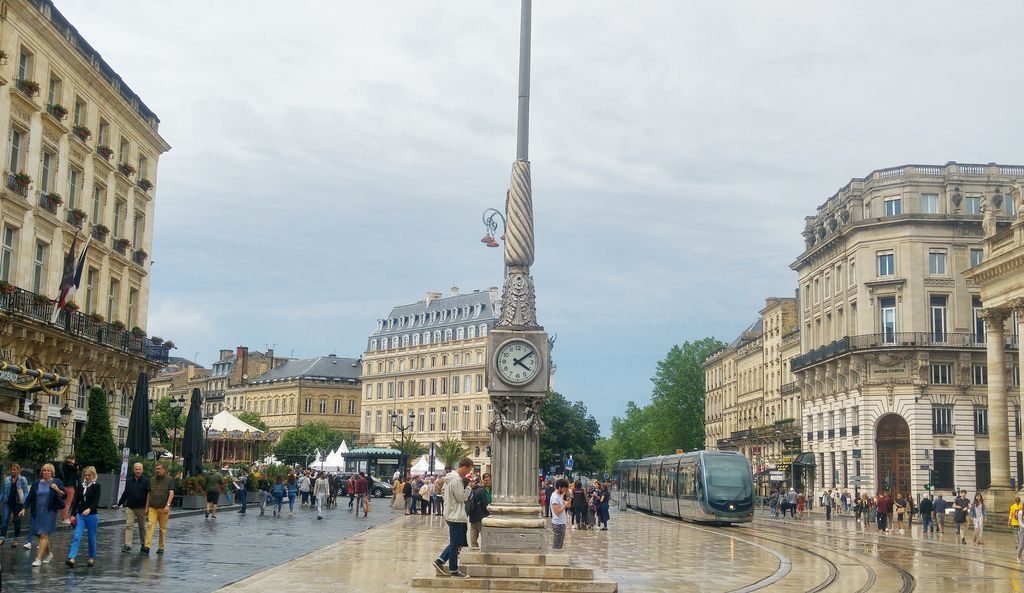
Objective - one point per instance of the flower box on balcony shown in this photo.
(139, 256)
(7, 287)
(105, 151)
(126, 169)
(57, 110)
(100, 232)
(156, 340)
(169, 345)
(82, 132)
(71, 306)
(94, 316)
(77, 216)
(117, 325)
(121, 246)
(23, 179)
(29, 87)
(138, 332)
(145, 184)
(49, 202)
(40, 300)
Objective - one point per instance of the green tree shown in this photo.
(96, 446)
(678, 396)
(450, 451)
(675, 417)
(34, 444)
(606, 447)
(253, 419)
(570, 429)
(162, 422)
(411, 448)
(299, 444)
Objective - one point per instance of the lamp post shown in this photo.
(207, 425)
(177, 405)
(491, 226)
(65, 420)
(35, 409)
(396, 421)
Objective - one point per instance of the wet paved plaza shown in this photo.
(642, 553)
(201, 556)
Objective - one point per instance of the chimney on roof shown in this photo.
(455, 291)
(432, 296)
(494, 292)
(242, 360)
(224, 355)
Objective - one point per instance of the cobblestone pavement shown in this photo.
(202, 555)
(642, 553)
(645, 553)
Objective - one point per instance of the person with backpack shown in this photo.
(476, 507)
(12, 501)
(456, 490)
(265, 496)
(305, 487)
(424, 496)
(407, 490)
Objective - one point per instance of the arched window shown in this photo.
(471, 332)
(426, 337)
(437, 336)
(373, 345)
(444, 360)
(433, 361)
(483, 330)
(383, 343)
(456, 360)
(380, 367)
(405, 341)
(415, 339)
(82, 393)
(448, 335)
(460, 333)
(401, 365)
(394, 342)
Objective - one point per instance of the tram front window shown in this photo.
(728, 478)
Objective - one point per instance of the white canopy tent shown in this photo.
(421, 467)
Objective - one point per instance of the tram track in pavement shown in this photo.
(893, 542)
(785, 563)
(908, 582)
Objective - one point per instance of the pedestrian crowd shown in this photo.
(895, 513)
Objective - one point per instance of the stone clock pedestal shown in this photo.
(516, 523)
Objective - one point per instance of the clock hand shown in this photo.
(519, 361)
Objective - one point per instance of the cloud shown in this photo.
(332, 161)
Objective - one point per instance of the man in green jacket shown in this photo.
(214, 488)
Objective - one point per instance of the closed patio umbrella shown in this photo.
(193, 444)
(140, 434)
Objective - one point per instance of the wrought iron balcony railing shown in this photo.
(893, 340)
(31, 305)
(13, 185)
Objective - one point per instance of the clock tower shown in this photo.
(518, 359)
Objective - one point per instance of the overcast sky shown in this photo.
(332, 159)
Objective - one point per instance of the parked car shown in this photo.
(378, 489)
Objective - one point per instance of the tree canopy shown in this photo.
(162, 422)
(251, 418)
(298, 444)
(450, 451)
(96, 445)
(675, 417)
(571, 430)
(34, 444)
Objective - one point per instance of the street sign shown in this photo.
(569, 463)
(554, 469)
(606, 476)
(858, 479)
(776, 476)
(856, 453)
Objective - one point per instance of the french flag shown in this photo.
(72, 277)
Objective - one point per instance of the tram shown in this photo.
(703, 486)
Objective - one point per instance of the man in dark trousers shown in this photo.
(547, 498)
(961, 508)
(362, 494)
(135, 500)
(476, 507)
(926, 513)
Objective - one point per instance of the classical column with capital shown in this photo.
(998, 433)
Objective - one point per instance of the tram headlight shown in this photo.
(732, 507)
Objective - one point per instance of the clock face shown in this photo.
(517, 362)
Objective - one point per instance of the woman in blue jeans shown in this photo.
(85, 506)
(293, 491)
(278, 490)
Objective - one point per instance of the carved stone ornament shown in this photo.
(20, 114)
(518, 301)
(997, 198)
(844, 214)
(77, 155)
(503, 422)
(956, 197)
(833, 223)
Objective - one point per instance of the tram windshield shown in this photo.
(728, 478)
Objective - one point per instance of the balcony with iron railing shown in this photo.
(29, 305)
(18, 188)
(47, 203)
(893, 340)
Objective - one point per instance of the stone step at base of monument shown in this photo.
(514, 559)
(519, 585)
(528, 572)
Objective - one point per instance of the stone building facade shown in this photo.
(79, 160)
(751, 404)
(893, 372)
(297, 392)
(1000, 278)
(427, 359)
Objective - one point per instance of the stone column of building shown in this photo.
(1018, 306)
(998, 431)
